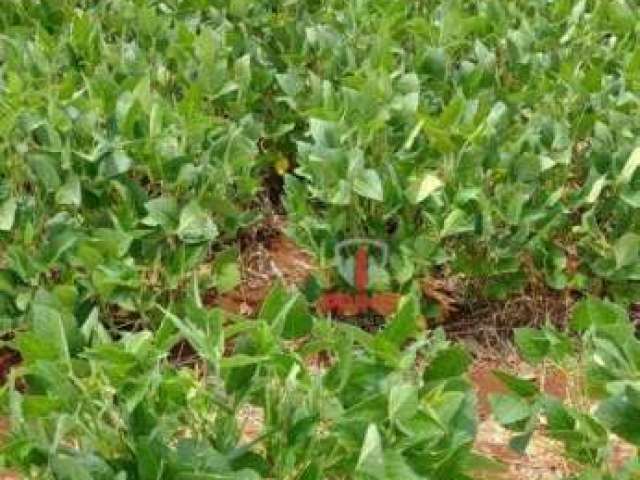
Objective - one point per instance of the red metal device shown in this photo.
(360, 302)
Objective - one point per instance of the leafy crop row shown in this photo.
(496, 138)
(85, 406)
(140, 138)
(343, 404)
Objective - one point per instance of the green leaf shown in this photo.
(559, 417)
(623, 417)
(520, 386)
(48, 325)
(206, 336)
(162, 212)
(288, 312)
(509, 410)
(448, 363)
(421, 188)
(367, 183)
(626, 249)
(298, 321)
(457, 222)
(290, 83)
(67, 467)
(496, 114)
(275, 302)
(596, 189)
(324, 133)
(404, 323)
(93, 331)
(45, 170)
(240, 360)
(115, 164)
(397, 468)
(196, 225)
(593, 313)
(70, 193)
(630, 167)
(227, 276)
(8, 214)
(403, 401)
(371, 459)
(438, 137)
(533, 344)
(520, 442)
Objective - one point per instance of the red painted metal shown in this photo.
(359, 303)
(361, 272)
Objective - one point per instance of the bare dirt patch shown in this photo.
(267, 256)
(492, 321)
(543, 459)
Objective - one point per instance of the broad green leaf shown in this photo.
(509, 410)
(115, 164)
(496, 114)
(323, 132)
(155, 120)
(596, 189)
(622, 417)
(290, 83)
(227, 276)
(441, 139)
(520, 386)
(274, 303)
(404, 324)
(206, 337)
(288, 312)
(403, 401)
(49, 326)
(533, 345)
(445, 406)
(448, 363)
(371, 458)
(421, 188)
(592, 312)
(367, 183)
(520, 442)
(93, 331)
(70, 193)
(457, 222)
(630, 167)
(67, 467)
(298, 321)
(196, 225)
(8, 213)
(123, 105)
(162, 212)
(626, 249)
(397, 468)
(240, 360)
(45, 170)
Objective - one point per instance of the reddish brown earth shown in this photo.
(543, 460)
(262, 264)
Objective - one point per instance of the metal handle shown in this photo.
(380, 245)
